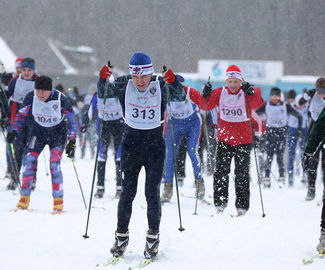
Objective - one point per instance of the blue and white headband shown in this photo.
(139, 70)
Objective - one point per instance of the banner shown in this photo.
(253, 71)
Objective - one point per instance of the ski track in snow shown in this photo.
(39, 240)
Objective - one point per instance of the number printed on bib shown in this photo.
(232, 107)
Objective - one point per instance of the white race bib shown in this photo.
(22, 88)
(111, 111)
(47, 114)
(232, 107)
(143, 108)
(276, 116)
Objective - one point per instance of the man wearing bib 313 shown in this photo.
(143, 97)
(45, 109)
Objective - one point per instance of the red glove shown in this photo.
(106, 72)
(169, 76)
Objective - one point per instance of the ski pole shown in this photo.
(14, 167)
(96, 157)
(82, 194)
(173, 151)
(255, 156)
(44, 159)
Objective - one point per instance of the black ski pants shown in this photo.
(241, 154)
(141, 148)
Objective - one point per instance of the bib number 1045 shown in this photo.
(150, 114)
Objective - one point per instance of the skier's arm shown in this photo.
(70, 115)
(261, 109)
(317, 133)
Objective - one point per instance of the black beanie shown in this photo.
(43, 83)
(275, 91)
(292, 94)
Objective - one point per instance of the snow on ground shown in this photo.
(39, 240)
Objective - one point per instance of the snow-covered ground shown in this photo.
(39, 240)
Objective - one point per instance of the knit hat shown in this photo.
(28, 63)
(43, 83)
(18, 61)
(234, 72)
(292, 94)
(140, 64)
(275, 91)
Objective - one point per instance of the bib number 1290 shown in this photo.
(232, 112)
(150, 114)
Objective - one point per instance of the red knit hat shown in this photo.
(18, 61)
(234, 72)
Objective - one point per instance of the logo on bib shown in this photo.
(55, 107)
(152, 90)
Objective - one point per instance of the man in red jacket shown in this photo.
(234, 102)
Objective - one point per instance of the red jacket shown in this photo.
(233, 133)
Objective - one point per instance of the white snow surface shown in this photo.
(39, 240)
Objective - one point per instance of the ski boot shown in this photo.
(58, 204)
(267, 182)
(121, 242)
(321, 246)
(12, 185)
(100, 192)
(281, 181)
(241, 212)
(180, 181)
(152, 244)
(310, 193)
(200, 189)
(168, 192)
(118, 192)
(23, 202)
(219, 210)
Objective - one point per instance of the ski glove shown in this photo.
(308, 160)
(207, 90)
(11, 136)
(247, 88)
(321, 246)
(70, 148)
(169, 76)
(83, 128)
(106, 72)
(4, 122)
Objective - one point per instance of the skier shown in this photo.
(276, 112)
(111, 116)
(18, 88)
(46, 109)
(143, 97)
(234, 135)
(186, 122)
(293, 134)
(316, 106)
(316, 141)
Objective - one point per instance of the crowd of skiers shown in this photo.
(153, 121)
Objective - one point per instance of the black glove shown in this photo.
(207, 90)
(70, 148)
(83, 128)
(4, 122)
(11, 136)
(247, 88)
(308, 161)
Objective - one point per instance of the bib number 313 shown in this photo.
(149, 114)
